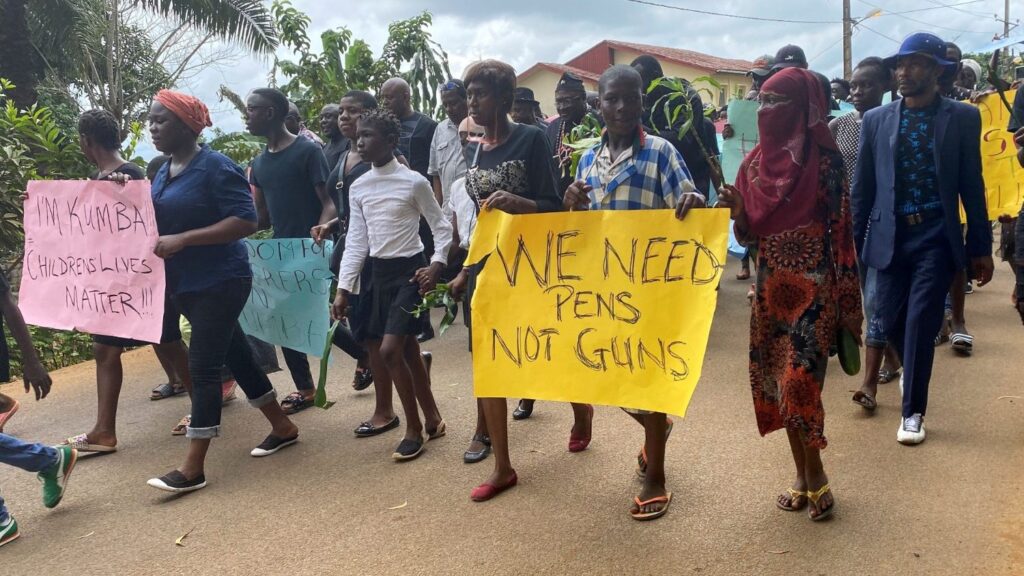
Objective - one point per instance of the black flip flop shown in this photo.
(865, 401)
(367, 429)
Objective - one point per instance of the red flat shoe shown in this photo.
(580, 443)
(486, 491)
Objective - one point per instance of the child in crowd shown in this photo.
(389, 201)
(54, 465)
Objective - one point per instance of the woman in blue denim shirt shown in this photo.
(203, 211)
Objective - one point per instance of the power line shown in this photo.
(872, 30)
(954, 7)
(929, 24)
(790, 21)
(737, 16)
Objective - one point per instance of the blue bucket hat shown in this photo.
(926, 44)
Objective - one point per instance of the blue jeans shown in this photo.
(909, 296)
(217, 339)
(28, 457)
(874, 337)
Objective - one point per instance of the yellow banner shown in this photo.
(603, 307)
(1004, 177)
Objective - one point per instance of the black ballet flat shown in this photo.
(522, 412)
(471, 457)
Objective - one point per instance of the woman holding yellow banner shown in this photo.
(510, 170)
(791, 196)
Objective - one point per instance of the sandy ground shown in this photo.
(335, 504)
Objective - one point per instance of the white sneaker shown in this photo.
(911, 430)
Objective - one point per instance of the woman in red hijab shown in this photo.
(792, 197)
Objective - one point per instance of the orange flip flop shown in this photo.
(643, 516)
(5, 416)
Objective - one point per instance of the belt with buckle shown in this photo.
(920, 217)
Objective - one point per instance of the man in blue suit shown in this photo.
(919, 159)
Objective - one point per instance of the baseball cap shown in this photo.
(762, 66)
(523, 94)
(790, 56)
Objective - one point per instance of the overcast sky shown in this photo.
(527, 31)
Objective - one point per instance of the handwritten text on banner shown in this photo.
(291, 282)
(605, 307)
(89, 262)
(1004, 178)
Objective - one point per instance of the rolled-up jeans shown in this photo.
(218, 340)
(27, 456)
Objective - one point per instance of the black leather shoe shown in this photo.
(426, 335)
(471, 457)
(523, 410)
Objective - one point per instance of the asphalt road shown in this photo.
(335, 504)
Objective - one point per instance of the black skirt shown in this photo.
(393, 297)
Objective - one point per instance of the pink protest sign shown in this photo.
(89, 262)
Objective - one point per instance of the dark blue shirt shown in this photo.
(917, 186)
(211, 188)
(288, 179)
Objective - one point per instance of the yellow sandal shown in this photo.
(793, 495)
(814, 497)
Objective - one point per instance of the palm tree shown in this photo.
(84, 38)
(18, 61)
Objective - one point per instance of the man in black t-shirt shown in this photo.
(289, 186)
(417, 129)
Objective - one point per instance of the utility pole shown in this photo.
(1006, 20)
(848, 38)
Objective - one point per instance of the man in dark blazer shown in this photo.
(919, 159)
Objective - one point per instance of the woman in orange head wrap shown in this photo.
(203, 211)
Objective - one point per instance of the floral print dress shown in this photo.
(807, 287)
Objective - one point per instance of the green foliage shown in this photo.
(410, 42)
(346, 63)
(441, 296)
(583, 137)
(32, 147)
(245, 22)
(56, 348)
(241, 147)
(675, 105)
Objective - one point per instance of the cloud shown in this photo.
(525, 32)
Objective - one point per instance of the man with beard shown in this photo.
(336, 141)
(571, 103)
(919, 159)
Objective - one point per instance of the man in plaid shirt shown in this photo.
(632, 170)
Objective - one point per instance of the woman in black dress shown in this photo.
(510, 170)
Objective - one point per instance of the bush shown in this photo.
(33, 147)
(57, 348)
